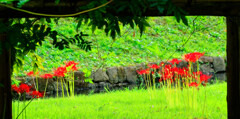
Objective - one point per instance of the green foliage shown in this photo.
(178, 13)
(164, 37)
(87, 74)
(77, 39)
(15, 81)
(111, 24)
(24, 36)
(27, 33)
(1, 85)
(22, 2)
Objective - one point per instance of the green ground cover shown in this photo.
(164, 37)
(210, 103)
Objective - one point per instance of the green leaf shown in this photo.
(121, 8)
(184, 19)
(131, 24)
(177, 16)
(48, 20)
(22, 2)
(113, 34)
(15, 81)
(79, 23)
(154, 4)
(160, 9)
(57, 1)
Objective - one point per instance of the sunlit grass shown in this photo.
(135, 104)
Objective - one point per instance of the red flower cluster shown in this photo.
(141, 72)
(60, 72)
(31, 73)
(72, 64)
(192, 57)
(15, 88)
(193, 84)
(47, 76)
(154, 66)
(26, 89)
(36, 94)
(204, 78)
(175, 61)
(169, 72)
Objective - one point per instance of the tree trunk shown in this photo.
(233, 67)
(5, 81)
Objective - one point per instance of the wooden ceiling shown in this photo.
(193, 7)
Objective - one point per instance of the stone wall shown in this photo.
(118, 77)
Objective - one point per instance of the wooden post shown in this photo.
(5, 81)
(233, 67)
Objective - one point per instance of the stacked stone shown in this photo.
(116, 77)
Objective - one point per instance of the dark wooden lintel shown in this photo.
(197, 7)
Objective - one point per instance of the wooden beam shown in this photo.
(199, 1)
(5, 81)
(233, 67)
(196, 7)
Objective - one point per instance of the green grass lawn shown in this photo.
(136, 104)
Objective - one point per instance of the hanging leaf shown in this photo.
(1, 85)
(184, 19)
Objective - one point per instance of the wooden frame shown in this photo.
(229, 8)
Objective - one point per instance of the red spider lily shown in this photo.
(72, 64)
(168, 67)
(152, 72)
(145, 71)
(47, 76)
(141, 72)
(60, 72)
(167, 71)
(192, 57)
(204, 77)
(15, 88)
(160, 80)
(182, 71)
(175, 70)
(24, 88)
(193, 84)
(31, 73)
(154, 66)
(36, 94)
(175, 61)
(161, 64)
(168, 74)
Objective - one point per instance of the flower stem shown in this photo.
(37, 83)
(24, 108)
(62, 87)
(73, 83)
(65, 84)
(45, 88)
(57, 87)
